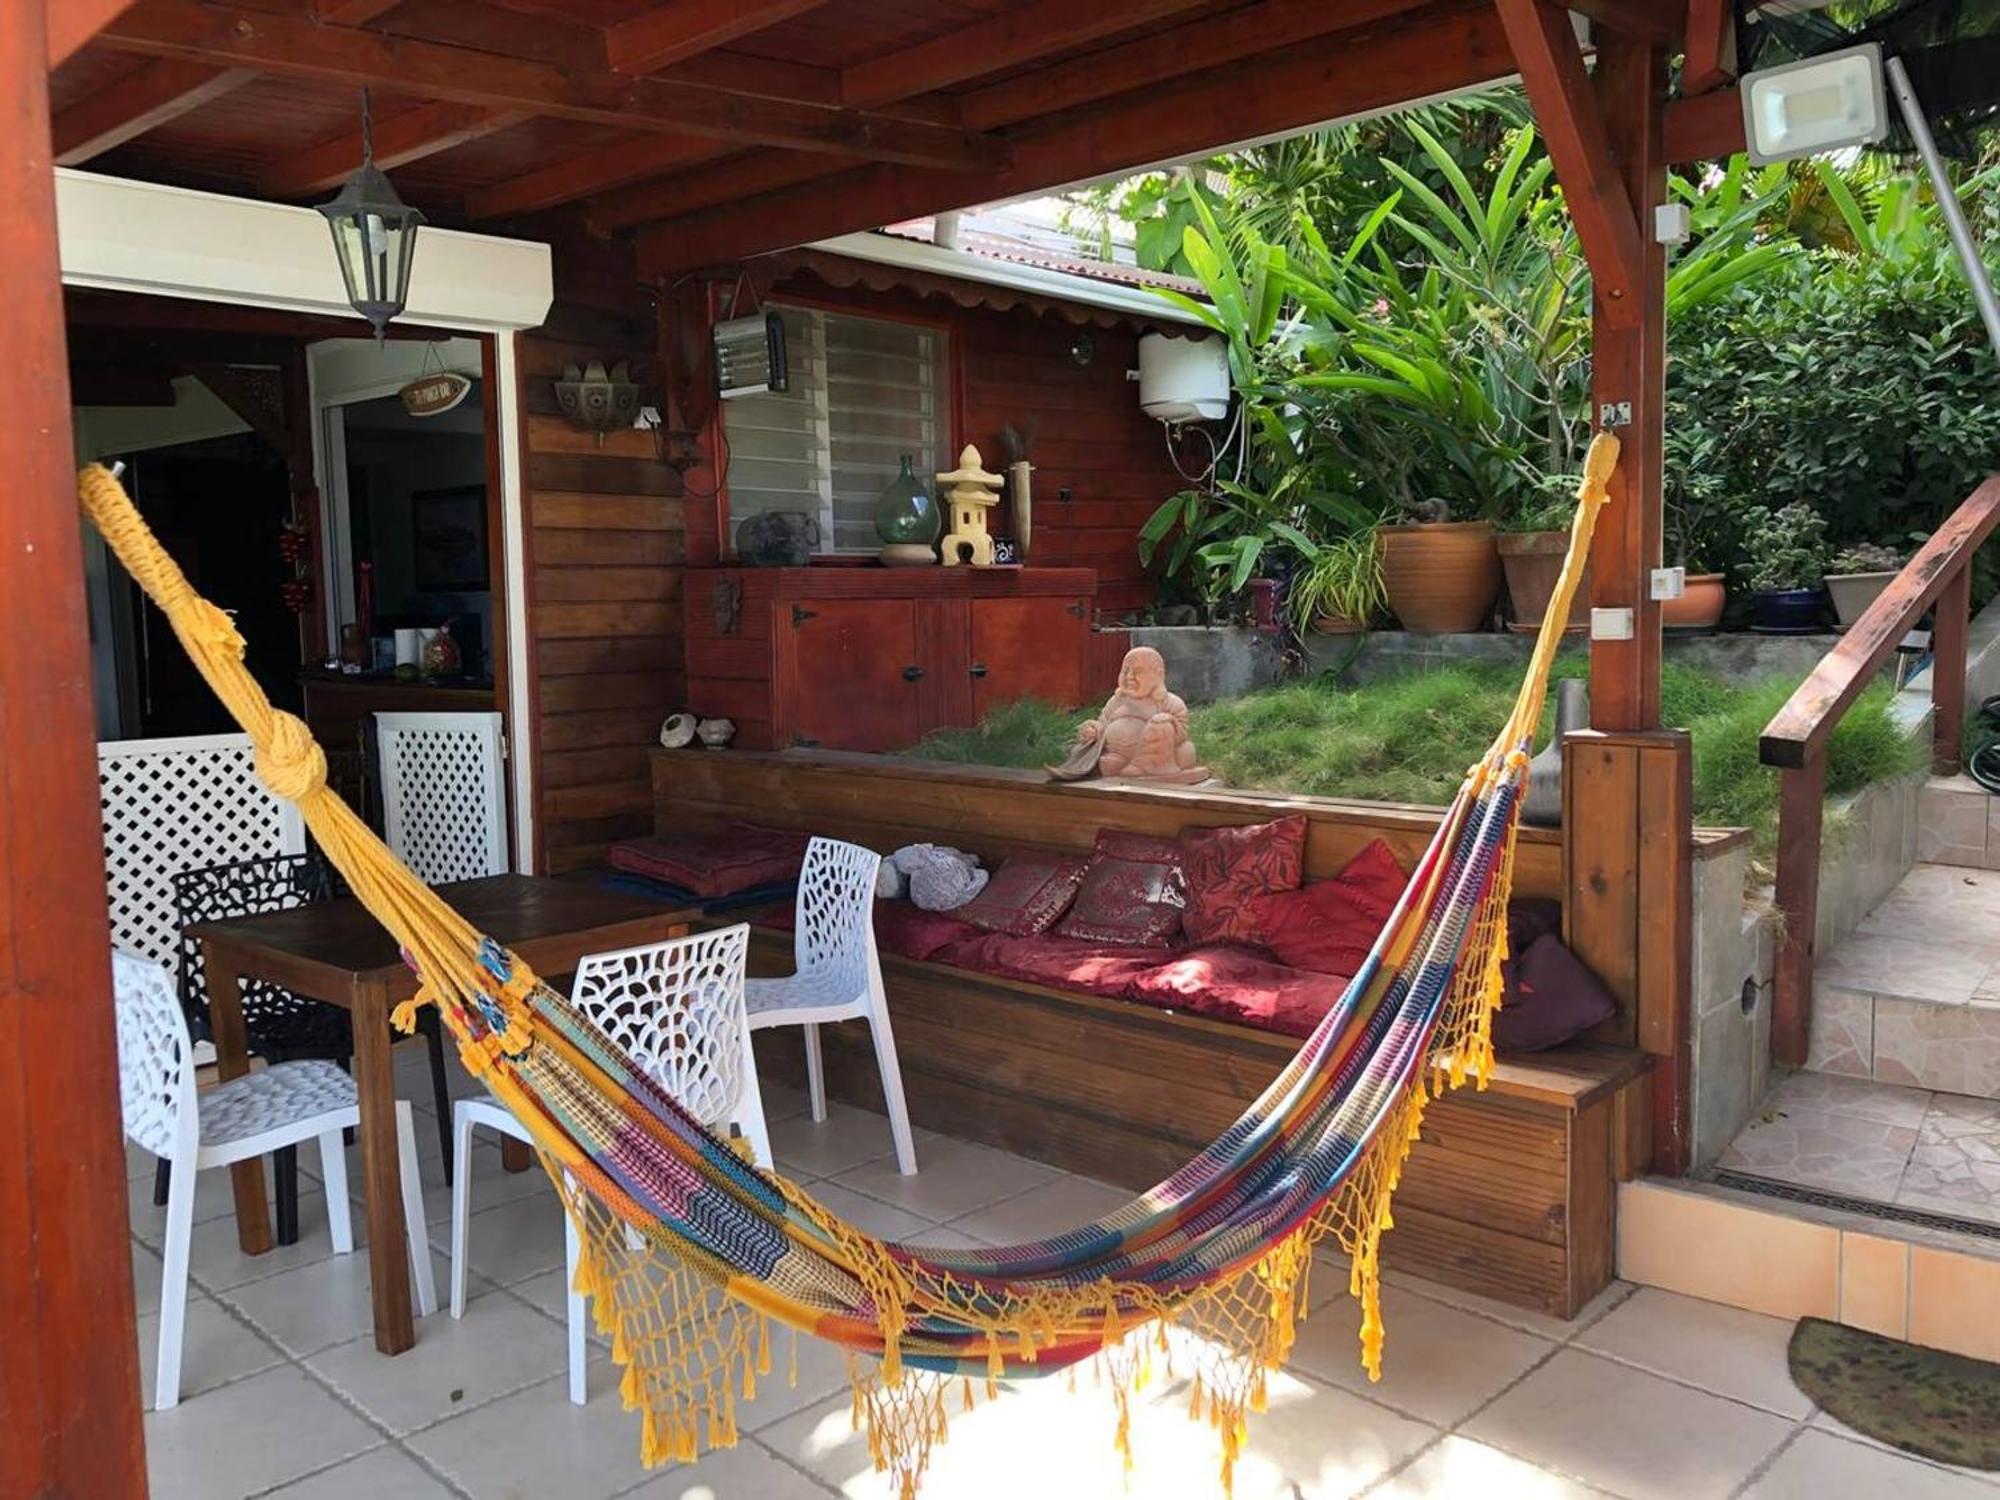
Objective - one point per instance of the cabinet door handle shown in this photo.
(977, 669)
(911, 674)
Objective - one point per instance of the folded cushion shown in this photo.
(720, 862)
(1132, 893)
(1550, 997)
(1228, 868)
(1331, 924)
(1025, 896)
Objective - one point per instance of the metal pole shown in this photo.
(1969, 259)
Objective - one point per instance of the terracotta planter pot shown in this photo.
(1854, 592)
(1337, 625)
(1532, 561)
(1443, 577)
(1699, 606)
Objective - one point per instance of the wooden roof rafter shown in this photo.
(229, 35)
(1444, 48)
(140, 100)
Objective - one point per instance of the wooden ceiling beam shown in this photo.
(1708, 127)
(351, 12)
(1207, 42)
(579, 177)
(144, 99)
(1145, 63)
(1643, 20)
(71, 23)
(1343, 76)
(687, 28)
(1021, 35)
(228, 35)
(408, 136)
(1710, 60)
(1572, 126)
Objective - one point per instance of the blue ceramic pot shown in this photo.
(1787, 611)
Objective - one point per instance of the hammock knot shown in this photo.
(292, 763)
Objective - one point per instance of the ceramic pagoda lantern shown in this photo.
(969, 492)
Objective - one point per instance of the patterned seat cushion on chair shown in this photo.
(718, 863)
(1331, 924)
(1132, 894)
(1025, 897)
(1229, 868)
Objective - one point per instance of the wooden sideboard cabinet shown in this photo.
(853, 658)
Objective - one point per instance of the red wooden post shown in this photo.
(1801, 805)
(1629, 376)
(1948, 648)
(69, 1380)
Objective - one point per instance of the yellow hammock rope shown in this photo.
(692, 1335)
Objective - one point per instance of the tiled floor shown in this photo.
(1886, 1143)
(1647, 1395)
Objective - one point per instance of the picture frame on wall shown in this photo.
(449, 534)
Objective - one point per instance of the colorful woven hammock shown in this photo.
(689, 1252)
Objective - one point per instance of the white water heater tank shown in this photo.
(1183, 379)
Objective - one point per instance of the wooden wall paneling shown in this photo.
(69, 1381)
(1601, 870)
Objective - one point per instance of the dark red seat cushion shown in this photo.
(1229, 868)
(716, 863)
(1025, 896)
(1061, 963)
(1330, 925)
(1132, 893)
(1234, 983)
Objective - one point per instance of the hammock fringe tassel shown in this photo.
(689, 1254)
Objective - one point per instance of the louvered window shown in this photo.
(862, 392)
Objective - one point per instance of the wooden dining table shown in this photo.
(336, 952)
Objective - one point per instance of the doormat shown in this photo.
(1939, 1406)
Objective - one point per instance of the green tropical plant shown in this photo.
(1865, 557)
(1342, 581)
(1787, 549)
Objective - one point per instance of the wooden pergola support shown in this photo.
(69, 1384)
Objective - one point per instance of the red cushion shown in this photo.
(1132, 893)
(1331, 924)
(1228, 868)
(1058, 962)
(1024, 896)
(719, 863)
(1234, 983)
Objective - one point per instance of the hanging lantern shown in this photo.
(374, 236)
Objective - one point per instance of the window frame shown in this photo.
(951, 330)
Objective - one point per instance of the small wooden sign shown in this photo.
(434, 394)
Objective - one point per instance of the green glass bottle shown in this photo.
(907, 519)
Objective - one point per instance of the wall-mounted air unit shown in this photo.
(749, 356)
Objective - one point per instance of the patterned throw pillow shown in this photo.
(1025, 896)
(1132, 894)
(1229, 868)
(1330, 925)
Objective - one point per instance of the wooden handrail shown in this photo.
(1802, 726)
(1795, 740)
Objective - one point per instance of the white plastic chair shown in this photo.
(676, 1009)
(249, 1116)
(838, 977)
(444, 798)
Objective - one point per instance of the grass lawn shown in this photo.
(1411, 738)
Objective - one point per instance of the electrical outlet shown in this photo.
(1611, 624)
(1669, 583)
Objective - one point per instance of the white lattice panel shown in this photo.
(676, 1009)
(175, 805)
(443, 802)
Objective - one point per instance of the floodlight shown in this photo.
(1821, 104)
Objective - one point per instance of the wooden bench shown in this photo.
(1509, 1193)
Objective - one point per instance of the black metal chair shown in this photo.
(279, 1026)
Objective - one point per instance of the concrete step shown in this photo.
(1799, 1259)
(1913, 995)
(1958, 823)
